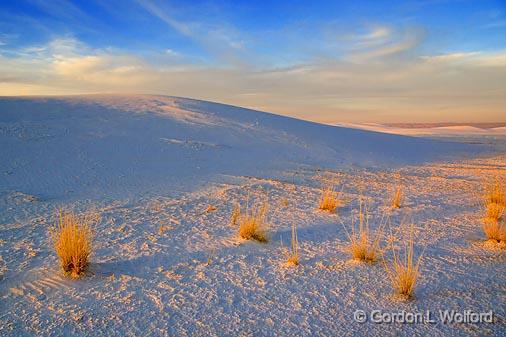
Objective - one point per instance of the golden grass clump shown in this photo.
(494, 229)
(494, 211)
(495, 204)
(252, 222)
(292, 258)
(365, 244)
(404, 271)
(72, 243)
(397, 198)
(494, 193)
(329, 200)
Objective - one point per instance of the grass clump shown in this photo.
(364, 243)
(495, 204)
(494, 230)
(252, 222)
(494, 212)
(329, 200)
(397, 197)
(494, 193)
(292, 258)
(72, 243)
(404, 270)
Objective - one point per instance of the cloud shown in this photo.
(219, 39)
(375, 36)
(477, 58)
(455, 86)
(179, 26)
(450, 57)
(381, 42)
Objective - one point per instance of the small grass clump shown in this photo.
(365, 244)
(292, 258)
(252, 222)
(329, 200)
(72, 243)
(397, 198)
(404, 270)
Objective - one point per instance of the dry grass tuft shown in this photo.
(404, 270)
(252, 222)
(495, 203)
(72, 243)
(292, 258)
(494, 193)
(494, 229)
(364, 244)
(329, 200)
(397, 198)
(494, 211)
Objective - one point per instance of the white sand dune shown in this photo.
(90, 145)
(164, 265)
(458, 130)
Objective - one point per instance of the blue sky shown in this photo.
(329, 61)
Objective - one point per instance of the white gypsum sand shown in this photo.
(162, 264)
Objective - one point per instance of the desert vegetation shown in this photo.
(397, 197)
(404, 270)
(494, 193)
(364, 242)
(329, 199)
(292, 258)
(495, 204)
(252, 221)
(72, 242)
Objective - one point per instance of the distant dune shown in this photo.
(439, 125)
(435, 129)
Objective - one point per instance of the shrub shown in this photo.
(72, 243)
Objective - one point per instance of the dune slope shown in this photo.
(90, 146)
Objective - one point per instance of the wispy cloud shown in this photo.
(219, 39)
(154, 9)
(383, 42)
(329, 90)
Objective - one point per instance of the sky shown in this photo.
(325, 61)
